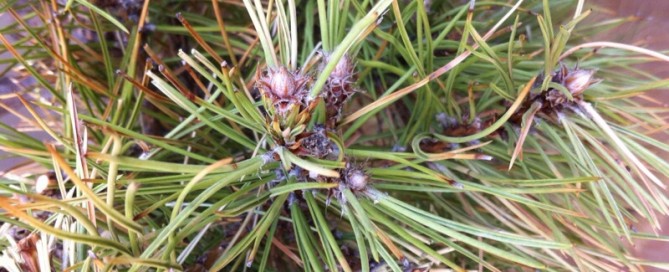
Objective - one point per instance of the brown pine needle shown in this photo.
(526, 125)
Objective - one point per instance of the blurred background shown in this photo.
(647, 28)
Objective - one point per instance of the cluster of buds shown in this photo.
(576, 81)
(286, 98)
(285, 89)
(550, 102)
(338, 88)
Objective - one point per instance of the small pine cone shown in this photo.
(578, 81)
(339, 88)
(554, 101)
(575, 80)
(284, 88)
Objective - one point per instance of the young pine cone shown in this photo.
(339, 88)
(284, 88)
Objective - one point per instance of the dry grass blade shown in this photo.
(91, 195)
(525, 129)
(6, 205)
(620, 145)
(628, 47)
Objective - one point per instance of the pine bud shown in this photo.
(43, 183)
(356, 180)
(283, 87)
(578, 81)
(344, 71)
(282, 83)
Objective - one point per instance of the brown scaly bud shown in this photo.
(344, 72)
(284, 88)
(552, 101)
(547, 103)
(555, 100)
(339, 87)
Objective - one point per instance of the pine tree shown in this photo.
(318, 135)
